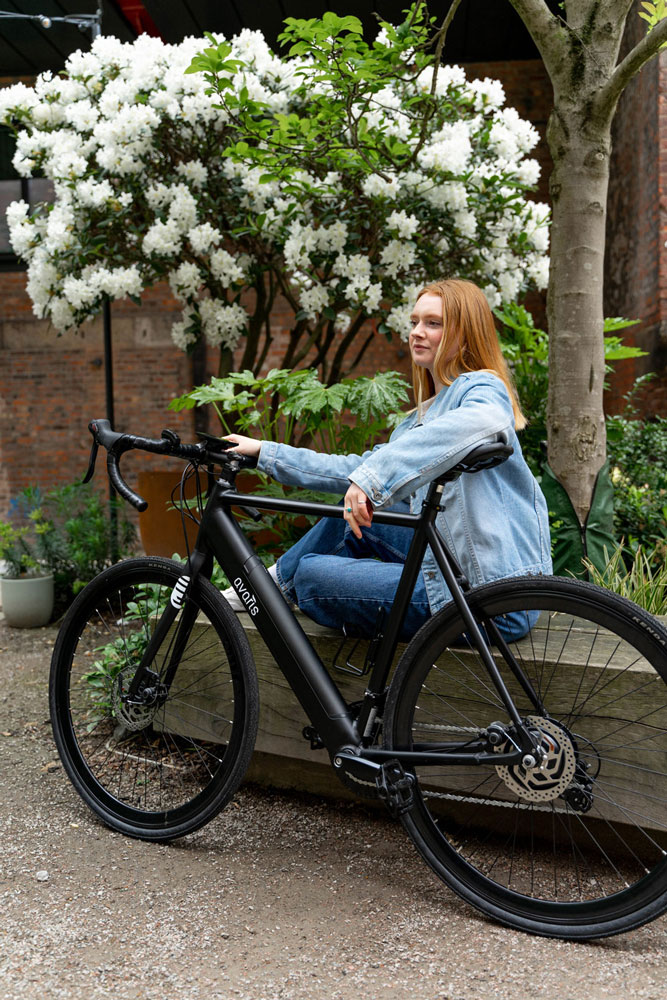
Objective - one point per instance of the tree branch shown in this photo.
(439, 40)
(544, 28)
(607, 97)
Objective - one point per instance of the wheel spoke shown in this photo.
(590, 825)
(159, 768)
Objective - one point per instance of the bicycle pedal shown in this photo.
(395, 787)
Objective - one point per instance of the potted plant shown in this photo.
(61, 537)
(26, 585)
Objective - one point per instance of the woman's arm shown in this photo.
(309, 469)
(411, 460)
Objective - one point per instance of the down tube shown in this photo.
(284, 637)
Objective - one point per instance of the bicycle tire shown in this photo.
(152, 772)
(572, 854)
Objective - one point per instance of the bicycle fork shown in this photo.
(148, 688)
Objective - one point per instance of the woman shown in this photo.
(495, 522)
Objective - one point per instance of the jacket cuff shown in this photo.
(266, 460)
(371, 486)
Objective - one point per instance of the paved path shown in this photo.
(277, 898)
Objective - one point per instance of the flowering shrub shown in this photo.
(341, 176)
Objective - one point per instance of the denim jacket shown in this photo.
(495, 521)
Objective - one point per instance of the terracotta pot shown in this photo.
(160, 526)
(27, 602)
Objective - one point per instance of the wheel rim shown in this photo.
(550, 857)
(150, 766)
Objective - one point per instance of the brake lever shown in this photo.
(91, 462)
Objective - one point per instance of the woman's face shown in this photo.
(427, 330)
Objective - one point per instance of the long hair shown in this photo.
(468, 323)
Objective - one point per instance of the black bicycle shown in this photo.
(530, 774)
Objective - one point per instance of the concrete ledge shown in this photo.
(570, 658)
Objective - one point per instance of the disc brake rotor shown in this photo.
(133, 717)
(556, 770)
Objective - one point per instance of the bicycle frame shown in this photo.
(347, 738)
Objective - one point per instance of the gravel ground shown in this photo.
(279, 897)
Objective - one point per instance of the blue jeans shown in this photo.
(337, 579)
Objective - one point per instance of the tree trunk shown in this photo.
(580, 41)
(578, 186)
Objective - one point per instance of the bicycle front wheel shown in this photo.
(162, 770)
(575, 848)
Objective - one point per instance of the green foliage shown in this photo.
(633, 574)
(125, 652)
(65, 531)
(653, 14)
(17, 551)
(348, 417)
(526, 349)
(296, 407)
(637, 450)
(342, 74)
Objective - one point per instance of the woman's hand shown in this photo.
(358, 510)
(244, 445)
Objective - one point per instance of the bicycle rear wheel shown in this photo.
(159, 771)
(575, 849)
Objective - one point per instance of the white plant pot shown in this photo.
(27, 602)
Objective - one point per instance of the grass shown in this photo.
(641, 582)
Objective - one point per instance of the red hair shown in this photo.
(468, 323)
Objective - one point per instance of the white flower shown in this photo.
(225, 268)
(397, 256)
(528, 172)
(203, 237)
(492, 296)
(398, 319)
(60, 228)
(488, 93)
(183, 208)
(185, 281)
(193, 171)
(538, 271)
(92, 193)
(163, 238)
(342, 322)
(449, 149)
(222, 323)
(373, 297)
(313, 300)
(80, 292)
(158, 195)
(61, 314)
(332, 238)
(406, 225)
(118, 282)
(510, 284)
(466, 223)
(14, 97)
(82, 115)
(375, 186)
(357, 270)
(447, 194)
(180, 337)
(17, 212)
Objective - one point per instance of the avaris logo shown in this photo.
(178, 593)
(246, 596)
